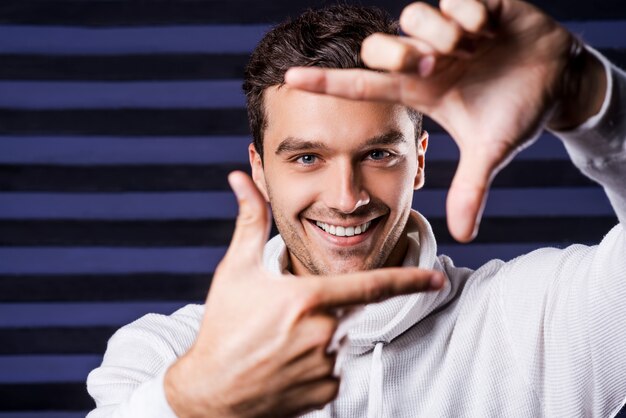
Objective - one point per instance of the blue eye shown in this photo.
(379, 154)
(306, 159)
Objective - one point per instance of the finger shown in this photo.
(313, 332)
(398, 53)
(427, 24)
(316, 364)
(386, 52)
(372, 286)
(253, 224)
(312, 395)
(471, 15)
(354, 84)
(468, 194)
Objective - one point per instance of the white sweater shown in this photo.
(541, 335)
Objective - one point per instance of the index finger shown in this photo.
(356, 84)
(373, 286)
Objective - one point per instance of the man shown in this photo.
(541, 335)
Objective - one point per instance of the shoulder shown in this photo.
(171, 335)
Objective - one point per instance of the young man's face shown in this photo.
(339, 176)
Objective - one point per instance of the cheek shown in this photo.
(291, 194)
(394, 188)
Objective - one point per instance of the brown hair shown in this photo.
(330, 37)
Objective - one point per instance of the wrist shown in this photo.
(181, 392)
(581, 90)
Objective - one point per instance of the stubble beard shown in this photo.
(297, 248)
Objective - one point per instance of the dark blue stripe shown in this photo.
(223, 205)
(192, 260)
(525, 202)
(123, 150)
(105, 95)
(600, 34)
(191, 205)
(47, 368)
(80, 314)
(201, 39)
(81, 150)
(62, 40)
(19, 260)
(475, 255)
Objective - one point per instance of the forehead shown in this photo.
(294, 113)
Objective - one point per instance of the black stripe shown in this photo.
(184, 233)
(132, 122)
(106, 13)
(616, 56)
(55, 340)
(117, 178)
(563, 230)
(122, 67)
(116, 233)
(147, 67)
(45, 397)
(152, 178)
(124, 122)
(104, 287)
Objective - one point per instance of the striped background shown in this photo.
(119, 121)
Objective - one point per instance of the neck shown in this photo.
(398, 254)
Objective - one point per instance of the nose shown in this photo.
(344, 189)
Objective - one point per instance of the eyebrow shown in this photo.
(293, 144)
(389, 138)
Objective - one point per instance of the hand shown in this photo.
(262, 345)
(491, 73)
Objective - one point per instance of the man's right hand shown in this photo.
(262, 345)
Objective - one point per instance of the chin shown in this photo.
(345, 268)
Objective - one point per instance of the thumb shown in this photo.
(468, 194)
(253, 223)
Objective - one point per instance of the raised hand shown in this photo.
(492, 73)
(262, 346)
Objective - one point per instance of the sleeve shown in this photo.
(129, 382)
(565, 309)
(598, 146)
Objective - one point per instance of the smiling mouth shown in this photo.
(345, 231)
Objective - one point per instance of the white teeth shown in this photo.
(341, 231)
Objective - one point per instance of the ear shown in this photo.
(258, 174)
(422, 145)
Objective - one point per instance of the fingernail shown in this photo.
(436, 281)
(235, 184)
(426, 65)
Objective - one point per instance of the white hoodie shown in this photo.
(541, 335)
